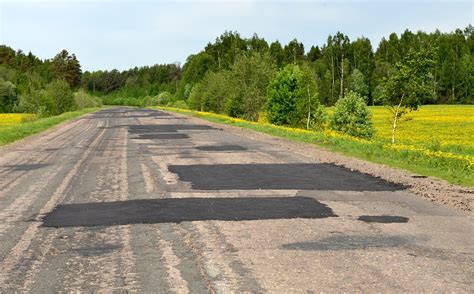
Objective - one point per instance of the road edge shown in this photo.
(436, 190)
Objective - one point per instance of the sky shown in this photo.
(123, 34)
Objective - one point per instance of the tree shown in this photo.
(194, 100)
(309, 111)
(281, 100)
(340, 44)
(248, 81)
(408, 85)
(256, 44)
(8, 96)
(59, 97)
(294, 52)
(356, 83)
(313, 54)
(216, 91)
(292, 98)
(277, 53)
(352, 117)
(67, 67)
(194, 70)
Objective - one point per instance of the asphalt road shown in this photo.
(141, 200)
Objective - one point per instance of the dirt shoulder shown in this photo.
(433, 189)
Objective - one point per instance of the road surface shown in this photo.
(141, 200)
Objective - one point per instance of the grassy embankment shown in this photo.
(15, 126)
(437, 140)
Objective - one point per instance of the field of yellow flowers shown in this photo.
(11, 119)
(436, 140)
(437, 126)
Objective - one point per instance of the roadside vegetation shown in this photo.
(37, 94)
(335, 95)
(14, 127)
(443, 156)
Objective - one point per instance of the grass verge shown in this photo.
(12, 133)
(456, 169)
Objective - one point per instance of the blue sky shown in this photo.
(122, 34)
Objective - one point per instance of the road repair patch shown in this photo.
(172, 128)
(219, 148)
(342, 242)
(383, 219)
(27, 167)
(293, 176)
(185, 209)
(164, 136)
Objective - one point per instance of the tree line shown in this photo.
(233, 74)
(337, 66)
(45, 87)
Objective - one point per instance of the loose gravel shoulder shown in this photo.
(434, 189)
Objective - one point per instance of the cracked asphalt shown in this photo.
(140, 200)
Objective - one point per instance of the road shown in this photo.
(141, 200)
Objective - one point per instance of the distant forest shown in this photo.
(337, 66)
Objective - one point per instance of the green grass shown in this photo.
(12, 133)
(454, 170)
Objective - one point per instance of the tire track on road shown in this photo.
(16, 253)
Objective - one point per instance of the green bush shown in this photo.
(8, 96)
(180, 104)
(83, 100)
(216, 91)
(122, 101)
(165, 98)
(281, 100)
(352, 117)
(55, 99)
(194, 100)
(247, 81)
(292, 99)
(60, 95)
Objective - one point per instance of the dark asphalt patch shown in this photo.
(165, 136)
(91, 251)
(185, 209)
(384, 219)
(111, 127)
(27, 167)
(221, 148)
(350, 242)
(167, 128)
(299, 176)
(147, 115)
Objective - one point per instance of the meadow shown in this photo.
(436, 140)
(12, 119)
(15, 126)
(437, 127)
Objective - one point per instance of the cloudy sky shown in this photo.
(122, 34)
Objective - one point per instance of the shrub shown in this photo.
(247, 82)
(352, 117)
(194, 100)
(356, 83)
(292, 99)
(58, 97)
(180, 104)
(83, 100)
(55, 99)
(8, 96)
(165, 98)
(216, 91)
